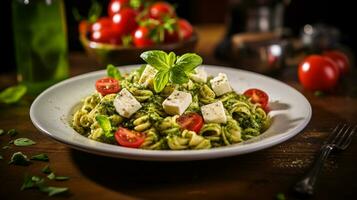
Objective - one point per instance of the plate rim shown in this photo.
(170, 155)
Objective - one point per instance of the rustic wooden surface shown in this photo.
(259, 175)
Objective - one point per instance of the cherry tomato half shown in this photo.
(318, 73)
(258, 96)
(340, 59)
(161, 9)
(185, 29)
(107, 85)
(142, 38)
(129, 138)
(124, 22)
(116, 5)
(191, 121)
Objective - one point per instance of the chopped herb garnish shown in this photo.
(12, 132)
(2, 131)
(51, 176)
(46, 169)
(40, 157)
(11, 141)
(31, 182)
(19, 158)
(6, 147)
(61, 178)
(280, 196)
(39, 183)
(51, 191)
(12, 94)
(21, 142)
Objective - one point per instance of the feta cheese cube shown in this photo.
(147, 76)
(200, 76)
(220, 84)
(177, 102)
(126, 104)
(214, 113)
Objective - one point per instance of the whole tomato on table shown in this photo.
(340, 59)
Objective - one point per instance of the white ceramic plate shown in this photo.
(52, 110)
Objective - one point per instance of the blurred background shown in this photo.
(334, 20)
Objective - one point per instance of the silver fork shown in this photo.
(339, 139)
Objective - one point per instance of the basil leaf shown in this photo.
(104, 123)
(171, 58)
(46, 169)
(51, 176)
(2, 131)
(61, 178)
(19, 158)
(12, 132)
(141, 69)
(40, 157)
(113, 72)
(53, 190)
(157, 59)
(160, 80)
(21, 142)
(189, 61)
(178, 76)
(31, 182)
(12, 94)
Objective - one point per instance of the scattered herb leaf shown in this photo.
(39, 183)
(46, 169)
(40, 157)
(113, 72)
(51, 176)
(19, 158)
(1, 157)
(2, 131)
(6, 147)
(11, 142)
(12, 94)
(31, 182)
(21, 142)
(12, 132)
(51, 191)
(61, 178)
(280, 196)
(319, 93)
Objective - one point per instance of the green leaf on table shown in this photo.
(280, 196)
(31, 182)
(157, 59)
(21, 142)
(40, 157)
(2, 132)
(113, 72)
(51, 176)
(161, 79)
(178, 76)
(51, 191)
(19, 158)
(12, 132)
(46, 169)
(12, 94)
(1, 157)
(6, 147)
(61, 178)
(189, 61)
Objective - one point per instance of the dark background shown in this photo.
(340, 14)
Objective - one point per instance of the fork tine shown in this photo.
(348, 138)
(335, 135)
(332, 134)
(342, 137)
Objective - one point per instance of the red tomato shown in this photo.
(161, 9)
(116, 5)
(142, 37)
(107, 35)
(318, 73)
(258, 96)
(185, 29)
(191, 121)
(107, 85)
(102, 23)
(171, 37)
(341, 60)
(124, 22)
(128, 138)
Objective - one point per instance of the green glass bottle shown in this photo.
(40, 42)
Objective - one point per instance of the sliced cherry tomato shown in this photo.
(129, 138)
(159, 10)
(107, 85)
(124, 22)
(142, 37)
(318, 73)
(116, 5)
(191, 121)
(341, 60)
(185, 29)
(258, 96)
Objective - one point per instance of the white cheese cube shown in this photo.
(126, 104)
(177, 102)
(147, 76)
(220, 84)
(200, 76)
(214, 113)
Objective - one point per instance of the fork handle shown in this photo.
(306, 185)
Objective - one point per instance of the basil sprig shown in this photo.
(105, 124)
(113, 72)
(171, 68)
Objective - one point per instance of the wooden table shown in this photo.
(259, 175)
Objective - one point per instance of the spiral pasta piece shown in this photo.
(206, 95)
(140, 94)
